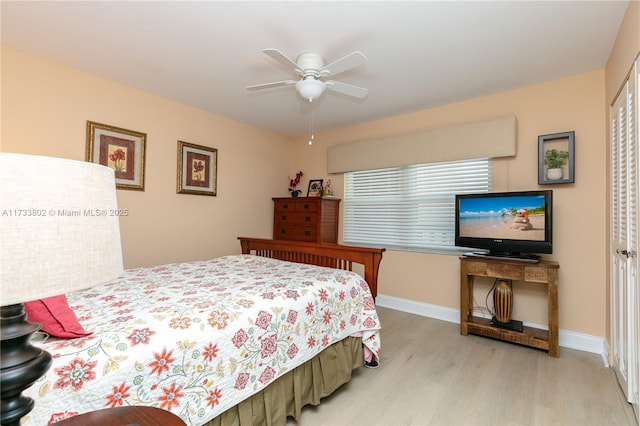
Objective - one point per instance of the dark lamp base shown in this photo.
(513, 325)
(21, 363)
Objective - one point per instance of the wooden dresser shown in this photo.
(311, 219)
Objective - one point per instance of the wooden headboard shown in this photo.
(331, 255)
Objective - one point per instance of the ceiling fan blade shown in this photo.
(347, 89)
(283, 59)
(270, 85)
(352, 60)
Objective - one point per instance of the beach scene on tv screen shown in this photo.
(514, 218)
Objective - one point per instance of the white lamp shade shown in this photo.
(59, 227)
(310, 89)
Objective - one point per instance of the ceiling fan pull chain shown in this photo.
(311, 139)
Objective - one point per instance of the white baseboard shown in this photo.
(568, 339)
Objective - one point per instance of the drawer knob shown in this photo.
(307, 206)
(283, 231)
(284, 217)
(307, 232)
(308, 218)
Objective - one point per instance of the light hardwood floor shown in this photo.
(431, 375)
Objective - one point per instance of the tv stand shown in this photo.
(543, 272)
(518, 257)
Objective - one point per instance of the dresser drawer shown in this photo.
(296, 218)
(296, 233)
(296, 205)
(306, 206)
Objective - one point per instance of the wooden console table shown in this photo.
(542, 272)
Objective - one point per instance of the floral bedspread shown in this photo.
(197, 338)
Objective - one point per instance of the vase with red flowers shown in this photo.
(293, 183)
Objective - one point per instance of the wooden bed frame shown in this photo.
(331, 255)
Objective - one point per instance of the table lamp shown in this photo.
(59, 232)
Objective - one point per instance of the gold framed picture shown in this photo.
(119, 149)
(197, 169)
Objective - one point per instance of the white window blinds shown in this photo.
(411, 207)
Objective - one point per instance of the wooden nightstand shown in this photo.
(125, 416)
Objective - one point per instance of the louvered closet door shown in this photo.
(634, 236)
(620, 314)
(624, 234)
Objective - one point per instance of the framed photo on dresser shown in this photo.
(315, 188)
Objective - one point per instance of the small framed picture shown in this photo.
(120, 149)
(556, 158)
(197, 169)
(315, 188)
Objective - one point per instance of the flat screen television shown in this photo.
(505, 224)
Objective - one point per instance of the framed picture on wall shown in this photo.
(315, 188)
(197, 169)
(120, 149)
(556, 157)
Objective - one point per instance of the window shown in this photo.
(411, 207)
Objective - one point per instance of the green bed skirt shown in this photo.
(306, 384)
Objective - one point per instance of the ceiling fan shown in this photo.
(313, 73)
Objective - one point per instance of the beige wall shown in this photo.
(579, 209)
(624, 52)
(45, 108)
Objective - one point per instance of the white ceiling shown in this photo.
(420, 54)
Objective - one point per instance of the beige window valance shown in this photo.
(491, 138)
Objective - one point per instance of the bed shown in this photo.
(242, 339)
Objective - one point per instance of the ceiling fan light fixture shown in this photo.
(311, 68)
(310, 89)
